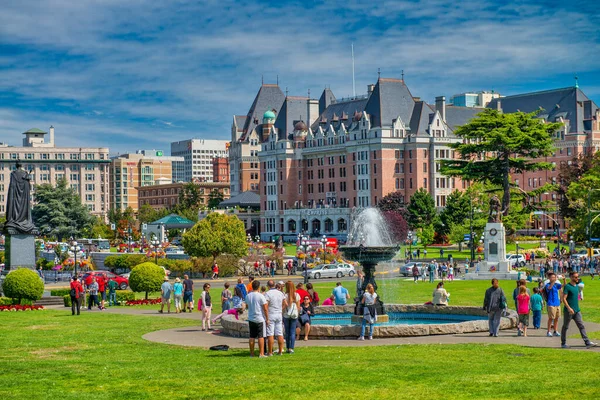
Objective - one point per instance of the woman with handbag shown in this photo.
(290, 315)
(369, 313)
(306, 311)
(206, 307)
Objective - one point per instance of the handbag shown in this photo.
(292, 311)
(304, 318)
(502, 303)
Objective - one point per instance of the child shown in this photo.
(232, 311)
(238, 305)
(580, 285)
(523, 308)
(329, 301)
(537, 304)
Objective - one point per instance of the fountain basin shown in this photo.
(426, 320)
(369, 254)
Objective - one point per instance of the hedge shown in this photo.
(23, 284)
(60, 292)
(122, 297)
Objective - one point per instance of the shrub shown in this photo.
(5, 301)
(146, 277)
(67, 300)
(60, 292)
(23, 284)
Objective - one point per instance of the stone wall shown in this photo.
(239, 328)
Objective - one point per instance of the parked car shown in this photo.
(174, 250)
(331, 271)
(406, 269)
(515, 259)
(595, 253)
(122, 281)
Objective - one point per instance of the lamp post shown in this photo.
(155, 244)
(74, 249)
(541, 236)
(324, 243)
(410, 240)
(517, 244)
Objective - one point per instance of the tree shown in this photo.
(427, 235)
(393, 201)
(397, 225)
(457, 234)
(569, 172)
(146, 214)
(215, 235)
(579, 193)
(421, 209)
(58, 211)
(189, 196)
(146, 277)
(457, 210)
(215, 198)
(510, 144)
(22, 284)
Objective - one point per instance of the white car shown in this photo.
(515, 259)
(331, 271)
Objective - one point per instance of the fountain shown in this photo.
(369, 243)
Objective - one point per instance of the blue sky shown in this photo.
(139, 74)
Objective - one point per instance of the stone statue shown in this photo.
(495, 213)
(18, 205)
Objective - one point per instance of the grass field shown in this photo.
(51, 355)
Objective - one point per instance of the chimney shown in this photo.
(440, 106)
(51, 136)
(370, 88)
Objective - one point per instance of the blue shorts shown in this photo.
(188, 297)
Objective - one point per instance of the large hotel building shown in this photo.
(316, 168)
(86, 169)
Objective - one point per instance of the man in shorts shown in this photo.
(275, 326)
(165, 295)
(188, 293)
(258, 316)
(552, 290)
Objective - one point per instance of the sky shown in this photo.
(140, 74)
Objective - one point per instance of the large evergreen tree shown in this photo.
(421, 212)
(456, 212)
(496, 145)
(58, 211)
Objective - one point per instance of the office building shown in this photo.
(473, 99)
(198, 155)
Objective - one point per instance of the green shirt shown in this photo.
(112, 286)
(572, 292)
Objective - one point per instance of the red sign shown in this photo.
(331, 242)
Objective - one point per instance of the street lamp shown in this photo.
(155, 244)
(517, 244)
(410, 240)
(75, 249)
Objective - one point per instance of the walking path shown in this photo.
(193, 336)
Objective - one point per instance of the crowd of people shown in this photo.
(98, 288)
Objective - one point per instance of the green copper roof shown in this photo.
(269, 114)
(172, 219)
(34, 130)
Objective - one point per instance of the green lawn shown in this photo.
(51, 355)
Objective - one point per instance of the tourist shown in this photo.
(431, 269)
(258, 315)
(360, 281)
(290, 315)
(112, 292)
(369, 311)
(226, 298)
(215, 271)
(537, 304)
(178, 295)
(165, 295)
(206, 307)
(572, 311)
(240, 285)
(424, 254)
(300, 290)
(329, 301)
(440, 295)
(306, 312)
(188, 293)
(273, 268)
(76, 295)
(314, 296)
(552, 294)
(102, 280)
(236, 312)
(289, 267)
(249, 284)
(341, 294)
(523, 308)
(93, 288)
(451, 273)
(415, 272)
(494, 303)
(275, 300)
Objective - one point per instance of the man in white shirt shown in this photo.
(275, 326)
(257, 305)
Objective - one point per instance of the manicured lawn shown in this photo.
(51, 355)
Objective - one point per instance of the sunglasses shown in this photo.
(307, 298)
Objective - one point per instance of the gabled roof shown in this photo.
(565, 102)
(244, 199)
(269, 97)
(346, 108)
(390, 99)
(173, 221)
(293, 110)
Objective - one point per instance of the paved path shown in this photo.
(193, 336)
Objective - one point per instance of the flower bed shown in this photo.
(18, 307)
(142, 302)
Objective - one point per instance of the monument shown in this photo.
(494, 264)
(19, 228)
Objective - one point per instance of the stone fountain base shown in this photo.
(357, 319)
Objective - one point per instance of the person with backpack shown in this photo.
(76, 295)
(112, 292)
(494, 303)
(314, 296)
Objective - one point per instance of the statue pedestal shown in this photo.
(495, 264)
(20, 251)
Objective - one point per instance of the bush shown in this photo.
(60, 292)
(6, 301)
(23, 284)
(67, 300)
(146, 277)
